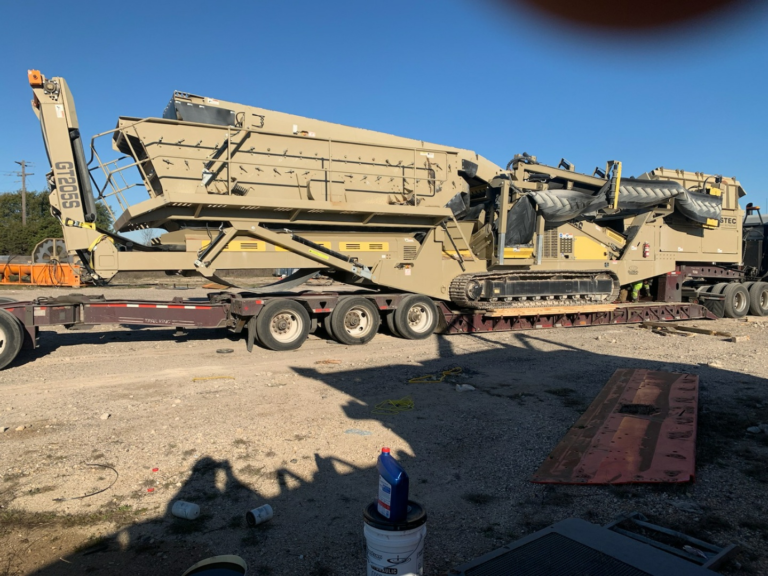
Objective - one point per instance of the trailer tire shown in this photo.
(282, 325)
(389, 320)
(415, 317)
(11, 338)
(327, 326)
(758, 299)
(355, 320)
(736, 300)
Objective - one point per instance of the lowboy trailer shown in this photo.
(283, 322)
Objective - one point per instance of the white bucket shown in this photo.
(395, 552)
(395, 547)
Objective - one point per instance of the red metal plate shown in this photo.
(640, 428)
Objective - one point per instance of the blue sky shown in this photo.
(457, 72)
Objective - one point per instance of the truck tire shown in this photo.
(11, 338)
(758, 299)
(415, 317)
(718, 288)
(282, 325)
(355, 320)
(736, 300)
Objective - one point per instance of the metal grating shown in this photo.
(554, 554)
(409, 252)
(551, 248)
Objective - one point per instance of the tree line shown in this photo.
(17, 239)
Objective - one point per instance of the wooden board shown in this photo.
(694, 329)
(640, 428)
(550, 310)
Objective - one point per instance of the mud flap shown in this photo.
(250, 334)
(717, 307)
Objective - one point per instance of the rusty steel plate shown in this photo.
(640, 428)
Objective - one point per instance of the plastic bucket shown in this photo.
(395, 548)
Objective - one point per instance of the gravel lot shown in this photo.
(234, 431)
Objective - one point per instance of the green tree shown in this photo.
(18, 239)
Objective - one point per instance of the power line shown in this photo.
(23, 174)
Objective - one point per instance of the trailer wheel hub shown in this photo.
(419, 318)
(285, 327)
(352, 320)
(357, 321)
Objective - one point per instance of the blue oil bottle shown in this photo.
(393, 488)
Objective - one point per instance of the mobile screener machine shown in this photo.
(432, 237)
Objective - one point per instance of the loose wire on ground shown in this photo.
(394, 406)
(431, 379)
(117, 475)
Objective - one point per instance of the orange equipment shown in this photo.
(50, 267)
(51, 274)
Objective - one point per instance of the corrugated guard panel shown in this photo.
(640, 428)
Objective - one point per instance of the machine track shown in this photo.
(533, 288)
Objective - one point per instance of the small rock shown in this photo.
(105, 416)
(20, 428)
(3, 429)
(754, 429)
(465, 388)
(690, 507)
(357, 431)
(738, 338)
(715, 365)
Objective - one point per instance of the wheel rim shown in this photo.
(740, 301)
(3, 340)
(357, 322)
(285, 327)
(763, 299)
(419, 318)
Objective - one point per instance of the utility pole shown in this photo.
(23, 173)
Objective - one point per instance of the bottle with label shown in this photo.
(393, 488)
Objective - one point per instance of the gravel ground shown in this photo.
(233, 431)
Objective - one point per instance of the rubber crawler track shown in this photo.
(458, 291)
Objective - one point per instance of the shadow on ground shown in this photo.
(471, 455)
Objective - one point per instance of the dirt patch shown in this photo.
(276, 433)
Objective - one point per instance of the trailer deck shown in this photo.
(234, 311)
